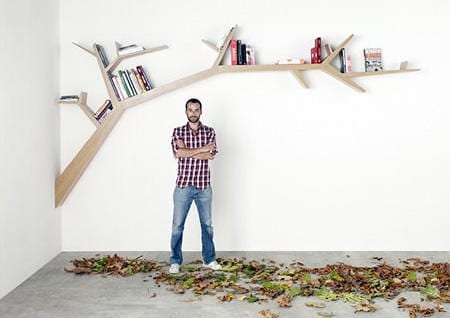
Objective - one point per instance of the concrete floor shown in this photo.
(51, 292)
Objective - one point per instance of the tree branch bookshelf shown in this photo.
(72, 173)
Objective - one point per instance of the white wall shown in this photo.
(30, 226)
(326, 168)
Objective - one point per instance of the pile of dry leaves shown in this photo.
(261, 281)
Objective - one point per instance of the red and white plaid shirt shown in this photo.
(191, 171)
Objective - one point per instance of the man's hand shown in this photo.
(211, 147)
(207, 152)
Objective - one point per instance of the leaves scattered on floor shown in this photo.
(261, 281)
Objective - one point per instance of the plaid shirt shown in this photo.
(191, 171)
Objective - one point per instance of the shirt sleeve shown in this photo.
(175, 138)
(212, 137)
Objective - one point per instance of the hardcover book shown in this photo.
(372, 60)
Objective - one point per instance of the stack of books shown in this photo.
(130, 82)
(68, 99)
(132, 48)
(316, 57)
(103, 111)
(241, 53)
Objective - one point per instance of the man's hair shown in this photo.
(193, 101)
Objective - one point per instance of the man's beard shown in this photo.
(193, 120)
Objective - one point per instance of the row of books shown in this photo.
(130, 82)
(103, 111)
(372, 57)
(241, 53)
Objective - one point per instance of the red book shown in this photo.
(233, 46)
(318, 43)
(313, 55)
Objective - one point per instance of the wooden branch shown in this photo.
(136, 100)
(299, 76)
(112, 66)
(268, 67)
(336, 51)
(83, 48)
(225, 45)
(330, 70)
(67, 180)
(360, 74)
(209, 44)
(82, 103)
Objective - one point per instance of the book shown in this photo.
(372, 60)
(250, 55)
(102, 54)
(116, 92)
(145, 75)
(348, 64)
(296, 60)
(239, 52)
(139, 80)
(68, 98)
(244, 53)
(130, 82)
(102, 109)
(318, 45)
(141, 75)
(129, 49)
(119, 88)
(124, 83)
(135, 82)
(234, 54)
(343, 60)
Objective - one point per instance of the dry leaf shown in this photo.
(325, 314)
(284, 301)
(315, 305)
(268, 314)
(191, 300)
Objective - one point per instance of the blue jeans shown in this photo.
(182, 199)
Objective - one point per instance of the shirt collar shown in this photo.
(188, 127)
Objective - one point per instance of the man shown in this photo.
(193, 144)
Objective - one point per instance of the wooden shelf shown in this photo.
(112, 66)
(69, 177)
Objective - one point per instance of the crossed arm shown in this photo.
(206, 152)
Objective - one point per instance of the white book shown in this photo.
(130, 49)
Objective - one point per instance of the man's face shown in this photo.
(193, 112)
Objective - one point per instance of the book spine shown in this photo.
(147, 78)
(239, 52)
(119, 87)
(102, 55)
(135, 82)
(244, 53)
(103, 109)
(141, 75)
(124, 83)
(234, 60)
(139, 79)
(102, 116)
(342, 60)
(318, 45)
(348, 64)
(130, 84)
(116, 92)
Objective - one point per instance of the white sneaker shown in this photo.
(174, 268)
(213, 265)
